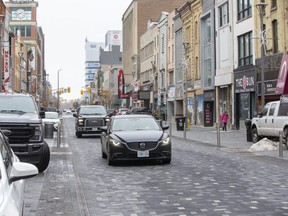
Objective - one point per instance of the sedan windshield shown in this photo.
(133, 124)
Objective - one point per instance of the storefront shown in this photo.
(245, 95)
(209, 108)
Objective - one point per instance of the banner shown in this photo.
(121, 84)
(282, 86)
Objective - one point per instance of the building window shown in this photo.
(273, 3)
(162, 45)
(24, 30)
(244, 9)
(207, 70)
(172, 53)
(245, 52)
(275, 36)
(223, 14)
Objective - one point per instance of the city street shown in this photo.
(201, 180)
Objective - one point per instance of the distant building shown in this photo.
(92, 60)
(113, 38)
(23, 22)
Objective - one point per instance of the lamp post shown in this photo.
(20, 68)
(2, 17)
(153, 89)
(186, 47)
(58, 99)
(261, 7)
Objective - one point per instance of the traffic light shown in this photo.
(68, 89)
(81, 92)
(89, 89)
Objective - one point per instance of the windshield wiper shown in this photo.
(12, 111)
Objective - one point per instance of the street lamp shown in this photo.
(186, 47)
(153, 89)
(261, 7)
(2, 17)
(58, 99)
(20, 68)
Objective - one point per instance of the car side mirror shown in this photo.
(260, 114)
(104, 129)
(74, 115)
(42, 114)
(165, 127)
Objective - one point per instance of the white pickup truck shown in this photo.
(271, 120)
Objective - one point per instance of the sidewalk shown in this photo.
(230, 140)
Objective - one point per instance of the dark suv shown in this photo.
(19, 114)
(89, 119)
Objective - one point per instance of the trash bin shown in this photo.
(180, 121)
(248, 130)
(48, 130)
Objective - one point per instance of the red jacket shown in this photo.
(224, 117)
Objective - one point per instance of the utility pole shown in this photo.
(186, 47)
(2, 17)
(153, 88)
(261, 7)
(58, 98)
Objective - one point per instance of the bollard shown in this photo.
(185, 128)
(170, 127)
(59, 135)
(218, 135)
(281, 144)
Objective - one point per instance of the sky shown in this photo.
(66, 24)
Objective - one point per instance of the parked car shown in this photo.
(139, 110)
(271, 120)
(13, 172)
(53, 118)
(89, 119)
(110, 112)
(19, 114)
(123, 111)
(135, 137)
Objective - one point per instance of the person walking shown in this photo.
(224, 119)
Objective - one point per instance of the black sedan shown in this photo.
(135, 137)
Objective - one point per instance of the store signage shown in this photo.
(121, 84)
(282, 82)
(269, 87)
(245, 82)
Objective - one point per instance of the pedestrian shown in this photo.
(224, 119)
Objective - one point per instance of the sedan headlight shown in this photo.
(165, 141)
(115, 142)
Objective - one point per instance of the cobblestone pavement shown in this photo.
(201, 180)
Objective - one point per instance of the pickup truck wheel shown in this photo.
(79, 135)
(285, 140)
(45, 158)
(255, 137)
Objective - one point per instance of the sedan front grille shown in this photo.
(137, 146)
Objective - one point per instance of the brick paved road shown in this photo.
(201, 180)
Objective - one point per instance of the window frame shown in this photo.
(243, 53)
(244, 11)
(223, 17)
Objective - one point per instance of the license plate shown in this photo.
(142, 153)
